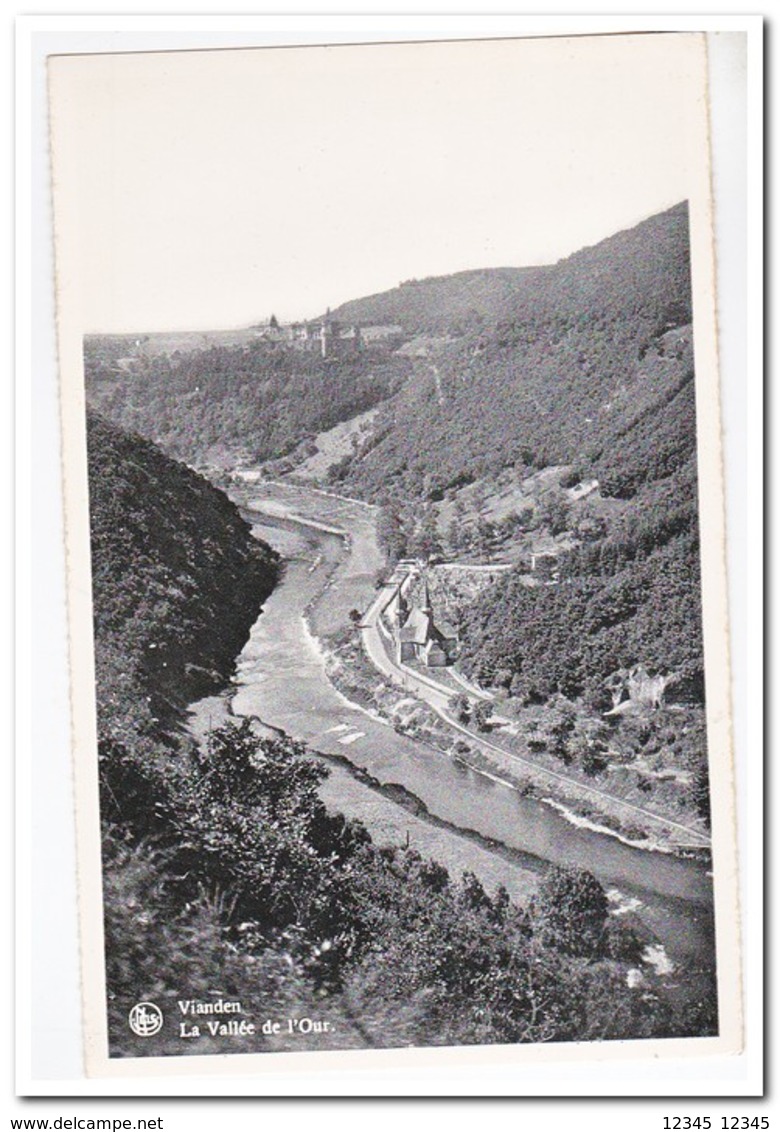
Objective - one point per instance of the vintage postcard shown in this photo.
(397, 598)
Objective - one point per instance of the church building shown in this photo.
(420, 637)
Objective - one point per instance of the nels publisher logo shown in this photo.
(145, 1019)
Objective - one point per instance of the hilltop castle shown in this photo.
(326, 337)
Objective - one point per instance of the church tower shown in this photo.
(426, 606)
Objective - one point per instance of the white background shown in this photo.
(47, 1005)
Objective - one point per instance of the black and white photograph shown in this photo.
(394, 505)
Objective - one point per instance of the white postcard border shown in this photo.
(421, 1056)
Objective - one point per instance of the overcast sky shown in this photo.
(210, 189)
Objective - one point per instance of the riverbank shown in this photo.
(352, 674)
(423, 714)
(403, 699)
(406, 791)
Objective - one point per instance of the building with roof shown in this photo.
(328, 337)
(420, 637)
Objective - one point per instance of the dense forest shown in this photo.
(594, 359)
(582, 400)
(629, 593)
(171, 559)
(447, 304)
(621, 272)
(594, 373)
(225, 874)
(229, 402)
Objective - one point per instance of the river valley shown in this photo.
(405, 791)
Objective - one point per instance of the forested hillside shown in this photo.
(542, 366)
(592, 348)
(225, 875)
(447, 304)
(594, 375)
(177, 582)
(218, 405)
(644, 265)
(568, 429)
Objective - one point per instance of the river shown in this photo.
(404, 791)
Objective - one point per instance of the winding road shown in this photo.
(379, 646)
(405, 791)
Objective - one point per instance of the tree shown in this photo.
(391, 533)
(482, 714)
(460, 706)
(252, 824)
(455, 535)
(426, 543)
(570, 911)
(700, 791)
(484, 536)
(554, 514)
